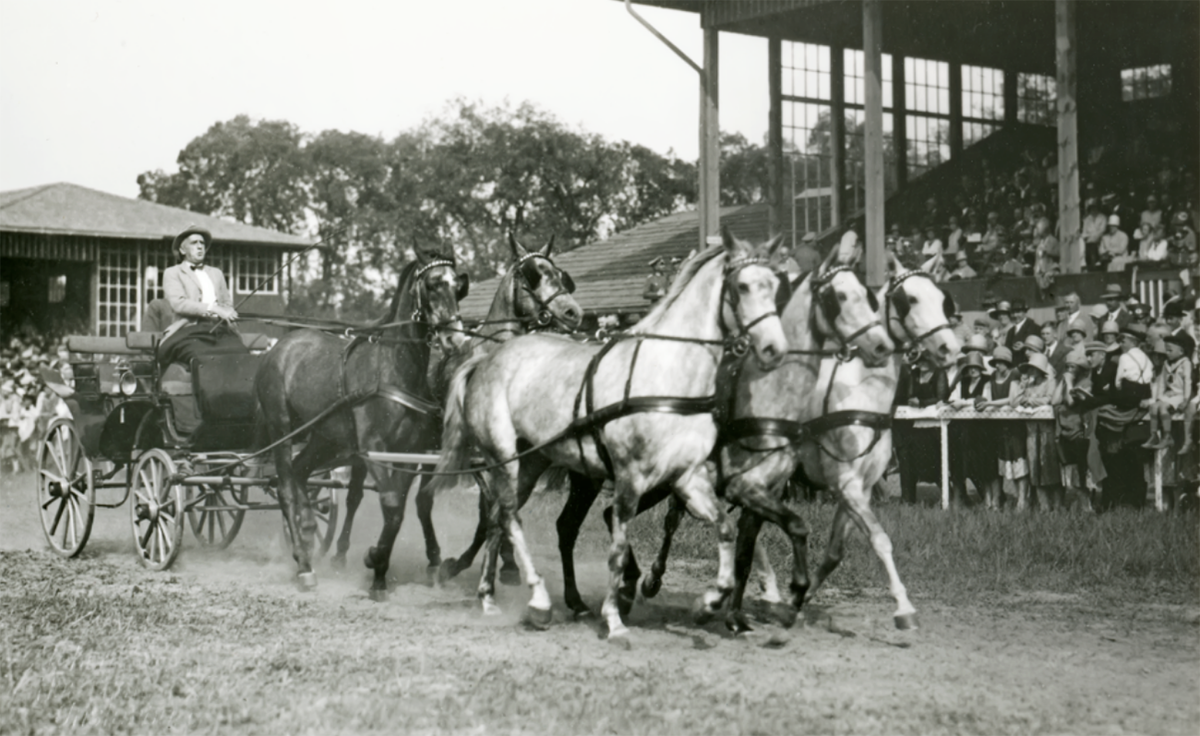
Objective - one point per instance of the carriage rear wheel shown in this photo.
(66, 489)
(215, 513)
(156, 511)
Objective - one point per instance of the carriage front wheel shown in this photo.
(66, 489)
(215, 513)
(156, 510)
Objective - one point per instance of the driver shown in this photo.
(197, 293)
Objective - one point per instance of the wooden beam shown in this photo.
(710, 141)
(873, 144)
(775, 169)
(837, 130)
(899, 121)
(1068, 137)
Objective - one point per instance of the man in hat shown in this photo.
(957, 268)
(658, 281)
(1172, 315)
(197, 294)
(1001, 314)
(1114, 245)
(1183, 251)
(1075, 316)
(806, 255)
(1022, 329)
(1114, 301)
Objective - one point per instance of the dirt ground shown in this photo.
(233, 646)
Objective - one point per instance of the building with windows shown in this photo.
(74, 259)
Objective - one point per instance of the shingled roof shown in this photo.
(610, 274)
(69, 209)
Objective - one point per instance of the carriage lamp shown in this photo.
(128, 384)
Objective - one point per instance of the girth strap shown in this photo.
(745, 427)
(850, 417)
(640, 404)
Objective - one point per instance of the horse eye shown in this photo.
(743, 288)
(841, 297)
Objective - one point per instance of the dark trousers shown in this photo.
(1125, 484)
(192, 341)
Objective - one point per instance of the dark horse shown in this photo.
(532, 294)
(363, 394)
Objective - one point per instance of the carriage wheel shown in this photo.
(156, 510)
(213, 514)
(66, 489)
(325, 510)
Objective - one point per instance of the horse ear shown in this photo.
(517, 249)
(549, 247)
(829, 260)
(464, 286)
(727, 239)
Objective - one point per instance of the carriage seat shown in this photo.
(148, 341)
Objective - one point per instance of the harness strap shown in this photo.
(746, 427)
(398, 396)
(683, 405)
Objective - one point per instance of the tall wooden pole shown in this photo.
(837, 135)
(1068, 137)
(873, 148)
(775, 206)
(710, 142)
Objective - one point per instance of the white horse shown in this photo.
(637, 410)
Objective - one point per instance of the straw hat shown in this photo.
(1038, 361)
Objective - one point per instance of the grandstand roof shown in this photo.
(610, 274)
(1008, 34)
(70, 209)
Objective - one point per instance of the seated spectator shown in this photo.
(954, 237)
(658, 281)
(1114, 246)
(1151, 217)
(957, 268)
(1154, 246)
(1094, 226)
(1046, 255)
(1183, 252)
(1171, 389)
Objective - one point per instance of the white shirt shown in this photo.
(208, 292)
(1134, 366)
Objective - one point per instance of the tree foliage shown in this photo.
(460, 181)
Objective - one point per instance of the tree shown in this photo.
(252, 172)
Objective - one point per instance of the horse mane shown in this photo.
(687, 272)
(402, 284)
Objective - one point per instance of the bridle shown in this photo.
(421, 310)
(544, 315)
(826, 299)
(894, 289)
(739, 345)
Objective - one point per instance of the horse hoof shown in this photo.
(784, 614)
(447, 570)
(491, 609)
(905, 621)
(538, 618)
(510, 576)
(651, 586)
(737, 624)
(581, 614)
(307, 580)
(379, 596)
(338, 562)
(620, 639)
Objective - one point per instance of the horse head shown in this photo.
(541, 290)
(750, 285)
(918, 311)
(438, 287)
(848, 311)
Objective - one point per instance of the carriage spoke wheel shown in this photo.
(66, 489)
(156, 510)
(325, 511)
(213, 513)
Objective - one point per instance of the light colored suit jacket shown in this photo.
(182, 289)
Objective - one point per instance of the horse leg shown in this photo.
(354, 496)
(653, 580)
(393, 495)
(489, 510)
(766, 573)
(289, 505)
(855, 500)
(647, 501)
(433, 552)
(624, 508)
(531, 469)
(749, 525)
(696, 488)
(579, 501)
(452, 566)
(304, 522)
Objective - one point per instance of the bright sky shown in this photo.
(96, 92)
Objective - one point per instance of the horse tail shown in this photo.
(456, 447)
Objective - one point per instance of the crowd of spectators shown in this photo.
(1002, 222)
(1109, 375)
(26, 405)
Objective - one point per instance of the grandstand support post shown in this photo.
(1066, 53)
(775, 210)
(873, 143)
(837, 134)
(710, 142)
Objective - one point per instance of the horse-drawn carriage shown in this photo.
(175, 443)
